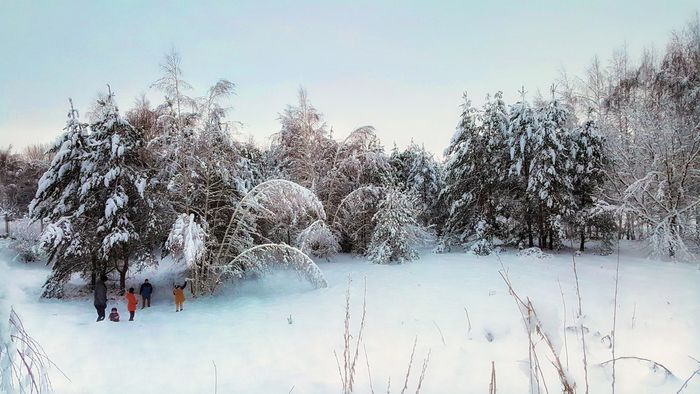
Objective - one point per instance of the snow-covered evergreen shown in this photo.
(397, 233)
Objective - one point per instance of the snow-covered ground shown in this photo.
(246, 331)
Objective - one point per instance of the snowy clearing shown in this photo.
(246, 330)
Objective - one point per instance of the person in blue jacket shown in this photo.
(146, 290)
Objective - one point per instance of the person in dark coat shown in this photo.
(101, 297)
(146, 290)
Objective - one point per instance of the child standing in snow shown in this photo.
(114, 315)
(179, 294)
(131, 303)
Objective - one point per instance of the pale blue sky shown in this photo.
(400, 66)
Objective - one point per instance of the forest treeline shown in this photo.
(609, 154)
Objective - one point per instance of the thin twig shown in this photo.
(422, 373)
(369, 370)
(685, 384)
(580, 319)
(410, 362)
(492, 385)
(612, 334)
(440, 331)
(654, 363)
(340, 372)
(566, 345)
(216, 378)
(529, 316)
(469, 323)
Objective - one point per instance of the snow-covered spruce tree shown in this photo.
(417, 172)
(550, 183)
(522, 123)
(539, 170)
(113, 187)
(474, 175)
(69, 236)
(589, 161)
(396, 230)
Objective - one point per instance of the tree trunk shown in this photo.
(122, 275)
(542, 235)
(674, 232)
(93, 274)
(7, 226)
(583, 238)
(619, 228)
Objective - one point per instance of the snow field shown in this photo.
(245, 329)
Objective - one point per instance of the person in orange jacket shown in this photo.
(131, 303)
(179, 294)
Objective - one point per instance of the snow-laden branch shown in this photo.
(269, 199)
(262, 259)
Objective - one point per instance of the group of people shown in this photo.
(146, 291)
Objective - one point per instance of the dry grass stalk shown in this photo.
(614, 325)
(410, 363)
(422, 373)
(685, 384)
(30, 370)
(469, 323)
(440, 331)
(566, 343)
(653, 363)
(347, 372)
(531, 320)
(492, 385)
(369, 371)
(579, 316)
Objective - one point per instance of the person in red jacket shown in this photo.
(131, 303)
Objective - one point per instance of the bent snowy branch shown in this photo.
(262, 259)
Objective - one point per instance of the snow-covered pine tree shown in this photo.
(474, 175)
(549, 183)
(589, 161)
(418, 173)
(113, 187)
(396, 232)
(462, 159)
(69, 235)
(522, 147)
